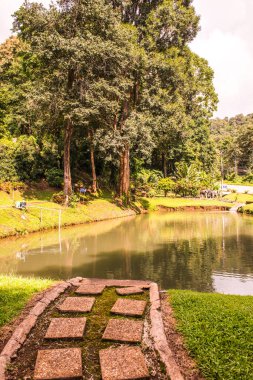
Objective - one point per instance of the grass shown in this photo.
(239, 198)
(248, 209)
(18, 222)
(218, 331)
(180, 203)
(15, 292)
(238, 183)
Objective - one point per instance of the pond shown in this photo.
(204, 251)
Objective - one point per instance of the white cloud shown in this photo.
(225, 41)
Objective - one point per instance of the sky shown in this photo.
(225, 40)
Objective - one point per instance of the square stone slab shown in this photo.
(66, 328)
(124, 363)
(130, 290)
(123, 330)
(129, 307)
(90, 289)
(77, 304)
(58, 364)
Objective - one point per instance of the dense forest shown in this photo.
(106, 92)
(233, 139)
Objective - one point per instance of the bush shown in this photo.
(73, 200)
(9, 186)
(166, 185)
(184, 188)
(59, 198)
(248, 178)
(54, 177)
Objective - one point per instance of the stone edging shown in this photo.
(159, 337)
(157, 329)
(21, 332)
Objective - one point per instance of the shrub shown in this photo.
(9, 186)
(73, 200)
(166, 185)
(184, 188)
(54, 177)
(59, 198)
(248, 178)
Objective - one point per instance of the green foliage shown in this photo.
(166, 185)
(147, 177)
(234, 143)
(8, 170)
(59, 198)
(9, 186)
(73, 200)
(191, 179)
(217, 330)
(54, 177)
(121, 80)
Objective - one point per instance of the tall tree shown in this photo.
(81, 46)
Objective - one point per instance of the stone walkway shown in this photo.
(124, 358)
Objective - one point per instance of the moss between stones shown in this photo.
(97, 320)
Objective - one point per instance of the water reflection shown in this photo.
(200, 251)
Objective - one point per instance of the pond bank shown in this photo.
(45, 216)
(41, 216)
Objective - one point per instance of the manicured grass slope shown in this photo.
(13, 221)
(218, 331)
(170, 202)
(239, 198)
(15, 292)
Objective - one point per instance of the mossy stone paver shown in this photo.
(66, 328)
(95, 289)
(123, 363)
(129, 307)
(63, 363)
(123, 330)
(129, 291)
(77, 304)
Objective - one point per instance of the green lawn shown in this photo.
(15, 292)
(218, 332)
(177, 203)
(14, 221)
(248, 209)
(239, 198)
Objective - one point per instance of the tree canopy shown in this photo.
(101, 85)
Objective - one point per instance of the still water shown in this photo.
(187, 250)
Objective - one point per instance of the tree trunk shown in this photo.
(92, 160)
(236, 167)
(164, 160)
(67, 172)
(124, 174)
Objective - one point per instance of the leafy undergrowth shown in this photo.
(218, 331)
(15, 292)
(177, 203)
